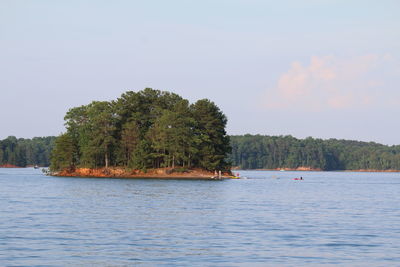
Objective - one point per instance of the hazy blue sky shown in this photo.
(320, 68)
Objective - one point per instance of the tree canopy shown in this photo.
(142, 130)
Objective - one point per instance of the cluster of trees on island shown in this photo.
(142, 130)
(24, 152)
(274, 152)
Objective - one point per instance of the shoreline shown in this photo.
(149, 177)
(162, 173)
(9, 166)
(318, 170)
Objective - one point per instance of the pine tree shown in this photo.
(210, 130)
(63, 154)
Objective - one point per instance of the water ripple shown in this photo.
(330, 218)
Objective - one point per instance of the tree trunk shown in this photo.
(106, 159)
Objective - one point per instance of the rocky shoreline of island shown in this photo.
(160, 173)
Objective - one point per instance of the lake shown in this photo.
(269, 219)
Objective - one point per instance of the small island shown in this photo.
(145, 134)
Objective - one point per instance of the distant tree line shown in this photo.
(22, 152)
(272, 152)
(142, 130)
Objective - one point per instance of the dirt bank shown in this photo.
(162, 173)
(9, 166)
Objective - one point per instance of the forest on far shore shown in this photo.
(274, 152)
(23, 152)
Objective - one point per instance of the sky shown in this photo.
(320, 68)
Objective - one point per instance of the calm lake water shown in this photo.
(350, 219)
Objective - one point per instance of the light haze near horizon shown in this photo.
(326, 69)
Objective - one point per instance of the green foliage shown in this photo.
(272, 152)
(64, 154)
(142, 156)
(102, 126)
(172, 132)
(210, 135)
(22, 152)
(128, 143)
(146, 129)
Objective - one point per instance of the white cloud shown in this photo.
(333, 83)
